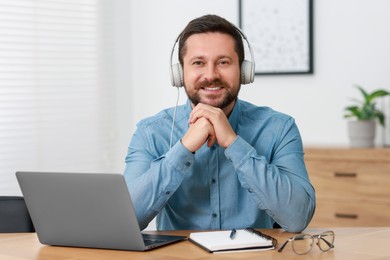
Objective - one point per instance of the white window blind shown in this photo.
(55, 87)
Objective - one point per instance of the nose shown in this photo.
(211, 72)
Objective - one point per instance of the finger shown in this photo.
(211, 140)
(195, 114)
(202, 110)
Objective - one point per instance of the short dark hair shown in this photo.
(211, 23)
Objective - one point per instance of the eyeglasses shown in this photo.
(303, 243)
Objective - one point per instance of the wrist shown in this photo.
(229, 141)
(185, 146)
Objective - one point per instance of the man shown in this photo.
(232, 164)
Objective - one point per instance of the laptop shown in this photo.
(91, 210)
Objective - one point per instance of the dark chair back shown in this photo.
(14, 216)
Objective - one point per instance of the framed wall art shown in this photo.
(280, 33)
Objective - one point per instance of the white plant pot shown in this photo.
(362, 133)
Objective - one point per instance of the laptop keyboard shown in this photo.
(149, 242)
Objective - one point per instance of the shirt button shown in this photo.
(214, 215)
(250, 190)
(167, 192)
(187, 164)
(213, 180)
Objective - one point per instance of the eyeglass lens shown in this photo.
(326, 240)
(302, 244)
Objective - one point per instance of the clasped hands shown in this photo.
(208, 124)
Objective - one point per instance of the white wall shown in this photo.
(351, 46)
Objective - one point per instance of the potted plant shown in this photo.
(362, 130)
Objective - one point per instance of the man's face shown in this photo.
(211, 70)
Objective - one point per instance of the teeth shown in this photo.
(214, 88)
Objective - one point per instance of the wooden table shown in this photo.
(350, 243)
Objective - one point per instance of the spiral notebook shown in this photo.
(244, 239)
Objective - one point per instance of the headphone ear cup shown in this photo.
(247, 72)
(177, 79)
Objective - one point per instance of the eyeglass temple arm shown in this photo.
(283, 246)
(327, 242)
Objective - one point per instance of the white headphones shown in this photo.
(247, 67)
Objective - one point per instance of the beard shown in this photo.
(229, 96)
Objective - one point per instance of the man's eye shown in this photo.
(223, 62)
(197, 63)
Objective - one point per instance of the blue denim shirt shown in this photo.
(258, 180)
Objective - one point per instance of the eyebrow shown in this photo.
(202, 57)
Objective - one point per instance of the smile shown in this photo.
(212, 88)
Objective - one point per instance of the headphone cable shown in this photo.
(174, 117)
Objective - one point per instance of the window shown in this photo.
(56, 91)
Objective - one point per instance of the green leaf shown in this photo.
(354, 111)
(364, 93)
(366, 109)
(377, 94)
(381, 117)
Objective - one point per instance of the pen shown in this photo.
(233, 233)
